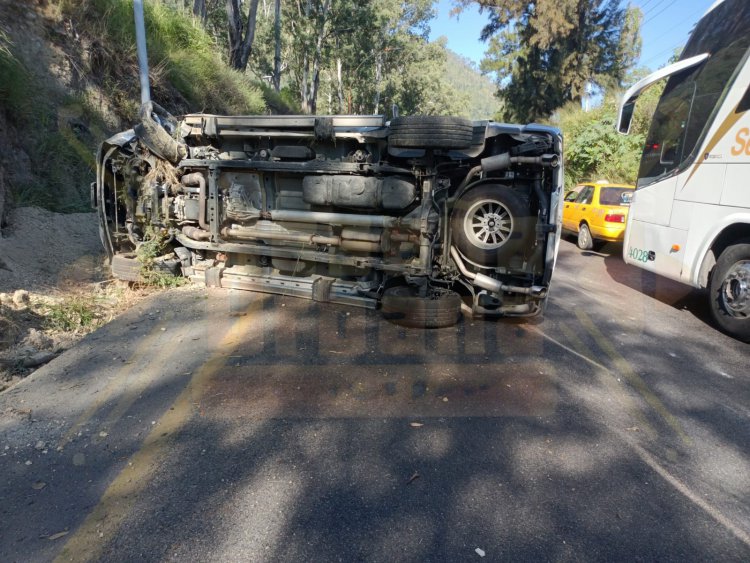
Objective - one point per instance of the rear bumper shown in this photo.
(610, 234)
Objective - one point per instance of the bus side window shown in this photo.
(744, 104)
(668, 152)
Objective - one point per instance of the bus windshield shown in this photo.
(683, 114)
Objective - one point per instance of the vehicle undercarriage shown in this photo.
(419, 216)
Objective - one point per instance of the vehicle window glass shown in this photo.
(586, 195)
(615, 196)
(744, 104)
(684, 112)
(572, 195)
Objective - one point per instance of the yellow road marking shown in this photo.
(577, 343)
(608, 381)
(684, 490)
(678, 485)
(117, 501)
(630, 407)
(136, 387)
(106, 393)
(624, 368)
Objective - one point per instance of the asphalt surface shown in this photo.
(230, 426)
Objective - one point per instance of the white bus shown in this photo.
(690, 215)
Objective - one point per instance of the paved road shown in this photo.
(218, 426)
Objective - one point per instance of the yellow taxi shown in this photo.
(597, 211)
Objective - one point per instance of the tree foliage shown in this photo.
(594, 150)
(544, 53)
(338, 56)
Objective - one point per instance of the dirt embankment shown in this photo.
(51, 290)
(40, 250)
(53, 280)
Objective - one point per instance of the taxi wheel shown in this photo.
(585, 240)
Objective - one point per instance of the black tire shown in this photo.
(401, 305)
(729, 291)
(126, 268)
(437, 132)
(584, 241)
(490, 223)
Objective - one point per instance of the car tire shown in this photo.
(729, 291)
(584, 241)
(126, 268)
(401, 305)
(433, 132)
(490, 223)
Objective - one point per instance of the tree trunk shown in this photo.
(304, 94)
(378, 79)
(234, 23)
(340, 85)
(200, 10)
(317, 57)
(2, 199)
(240, 46)
(277, 52)
(247, 43)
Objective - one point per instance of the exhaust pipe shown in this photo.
(493, 285)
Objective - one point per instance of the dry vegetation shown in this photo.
(36, 327)
(69, 80)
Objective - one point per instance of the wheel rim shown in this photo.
(583, 236)
(735, 290)
(488, 224)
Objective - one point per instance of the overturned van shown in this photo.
(419, 216)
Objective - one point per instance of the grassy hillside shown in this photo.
(465, 77)
(69, 79)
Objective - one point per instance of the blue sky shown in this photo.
(666, 26)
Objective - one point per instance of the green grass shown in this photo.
(154, 245)
(14, 85)
(71, 314)
(60, 165)
(60, 132)
(181, 53)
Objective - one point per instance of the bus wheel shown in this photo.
(730, 291)
(585, 240)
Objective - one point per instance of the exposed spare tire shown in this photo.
(431, 132)
(403, 306)
(491, 223)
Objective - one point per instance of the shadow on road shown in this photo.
(321, 432)
(669, 292)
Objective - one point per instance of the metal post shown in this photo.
(140, 41)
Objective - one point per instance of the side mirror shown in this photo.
(668, 153)
(625, 114)
(625, 117)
